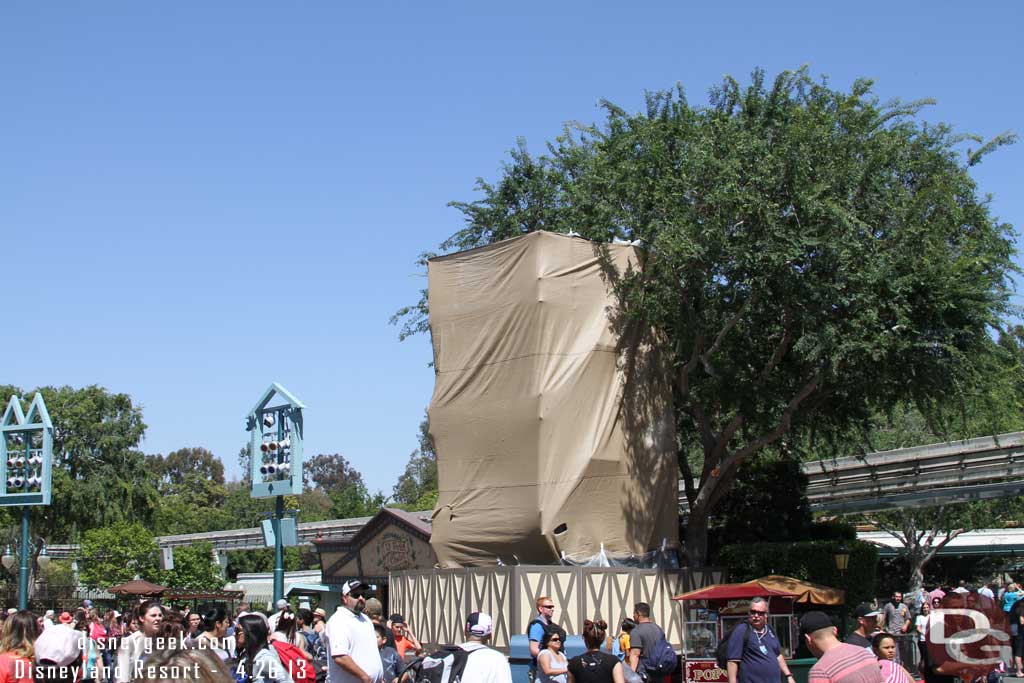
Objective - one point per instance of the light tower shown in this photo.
(275, 463)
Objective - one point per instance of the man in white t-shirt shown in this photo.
(350, 639)
(483, 665)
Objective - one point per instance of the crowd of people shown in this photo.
(357, 644)
(157, 642)
(872, 652)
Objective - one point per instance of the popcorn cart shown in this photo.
(711, 612)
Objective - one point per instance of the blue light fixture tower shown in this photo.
(275, 463)
(26, 463)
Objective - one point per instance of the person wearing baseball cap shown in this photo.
(282, 607)
(350, 640)
(867, 619)
(319, 619)
(483, 664)
(837, 662)
(404, 640)
(58, 649)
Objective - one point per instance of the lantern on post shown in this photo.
(26, 462)
(275, 464)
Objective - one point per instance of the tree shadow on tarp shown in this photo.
(651, 508)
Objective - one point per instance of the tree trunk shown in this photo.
(695, 544)
(916, 562)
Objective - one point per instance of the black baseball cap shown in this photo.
(865, 610)
(815, 621)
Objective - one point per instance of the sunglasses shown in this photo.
(758, 613)
(554, 640)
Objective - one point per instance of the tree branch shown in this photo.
(707, 436)
(785, 421)
(691, 492)
(689, 365)
(949, 537)
(731, 323)
(887, 528)
(726, 435)
(781, 349)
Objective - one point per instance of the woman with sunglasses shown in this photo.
(552, 666)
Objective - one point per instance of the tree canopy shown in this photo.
(810, 256)
(114, 554)
(195, 568)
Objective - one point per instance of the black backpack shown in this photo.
(661, 660)
(444, 666)
(549, 628)
(722, 651)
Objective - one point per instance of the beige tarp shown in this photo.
(805, 591)
(551, 435)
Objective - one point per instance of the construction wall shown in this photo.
(437, 602)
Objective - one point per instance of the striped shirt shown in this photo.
(893, 672)
(846, 664)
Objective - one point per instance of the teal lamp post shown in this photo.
(275, 465)
(26, 463)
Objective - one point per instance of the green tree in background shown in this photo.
(262, 560)
(329, 472)
(192, 492)
(195, 568)
(117, 553)
(343, 484)
(178, 469)
(811, 257)
(416, 488)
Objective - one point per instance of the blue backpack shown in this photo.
(660, 660)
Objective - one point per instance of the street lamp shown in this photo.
(9, 559)
(841, 556)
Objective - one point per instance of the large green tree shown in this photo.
(810, 256)
(195, 568)
(192, 492)
(113, 554)
(176, 470)
(329, 472)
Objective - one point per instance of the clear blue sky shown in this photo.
(199, 198)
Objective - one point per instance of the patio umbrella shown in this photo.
(137, 587)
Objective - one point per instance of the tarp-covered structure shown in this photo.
(551, 415)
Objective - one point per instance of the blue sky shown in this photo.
(199, 198)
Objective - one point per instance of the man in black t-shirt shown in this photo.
(867, 621)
